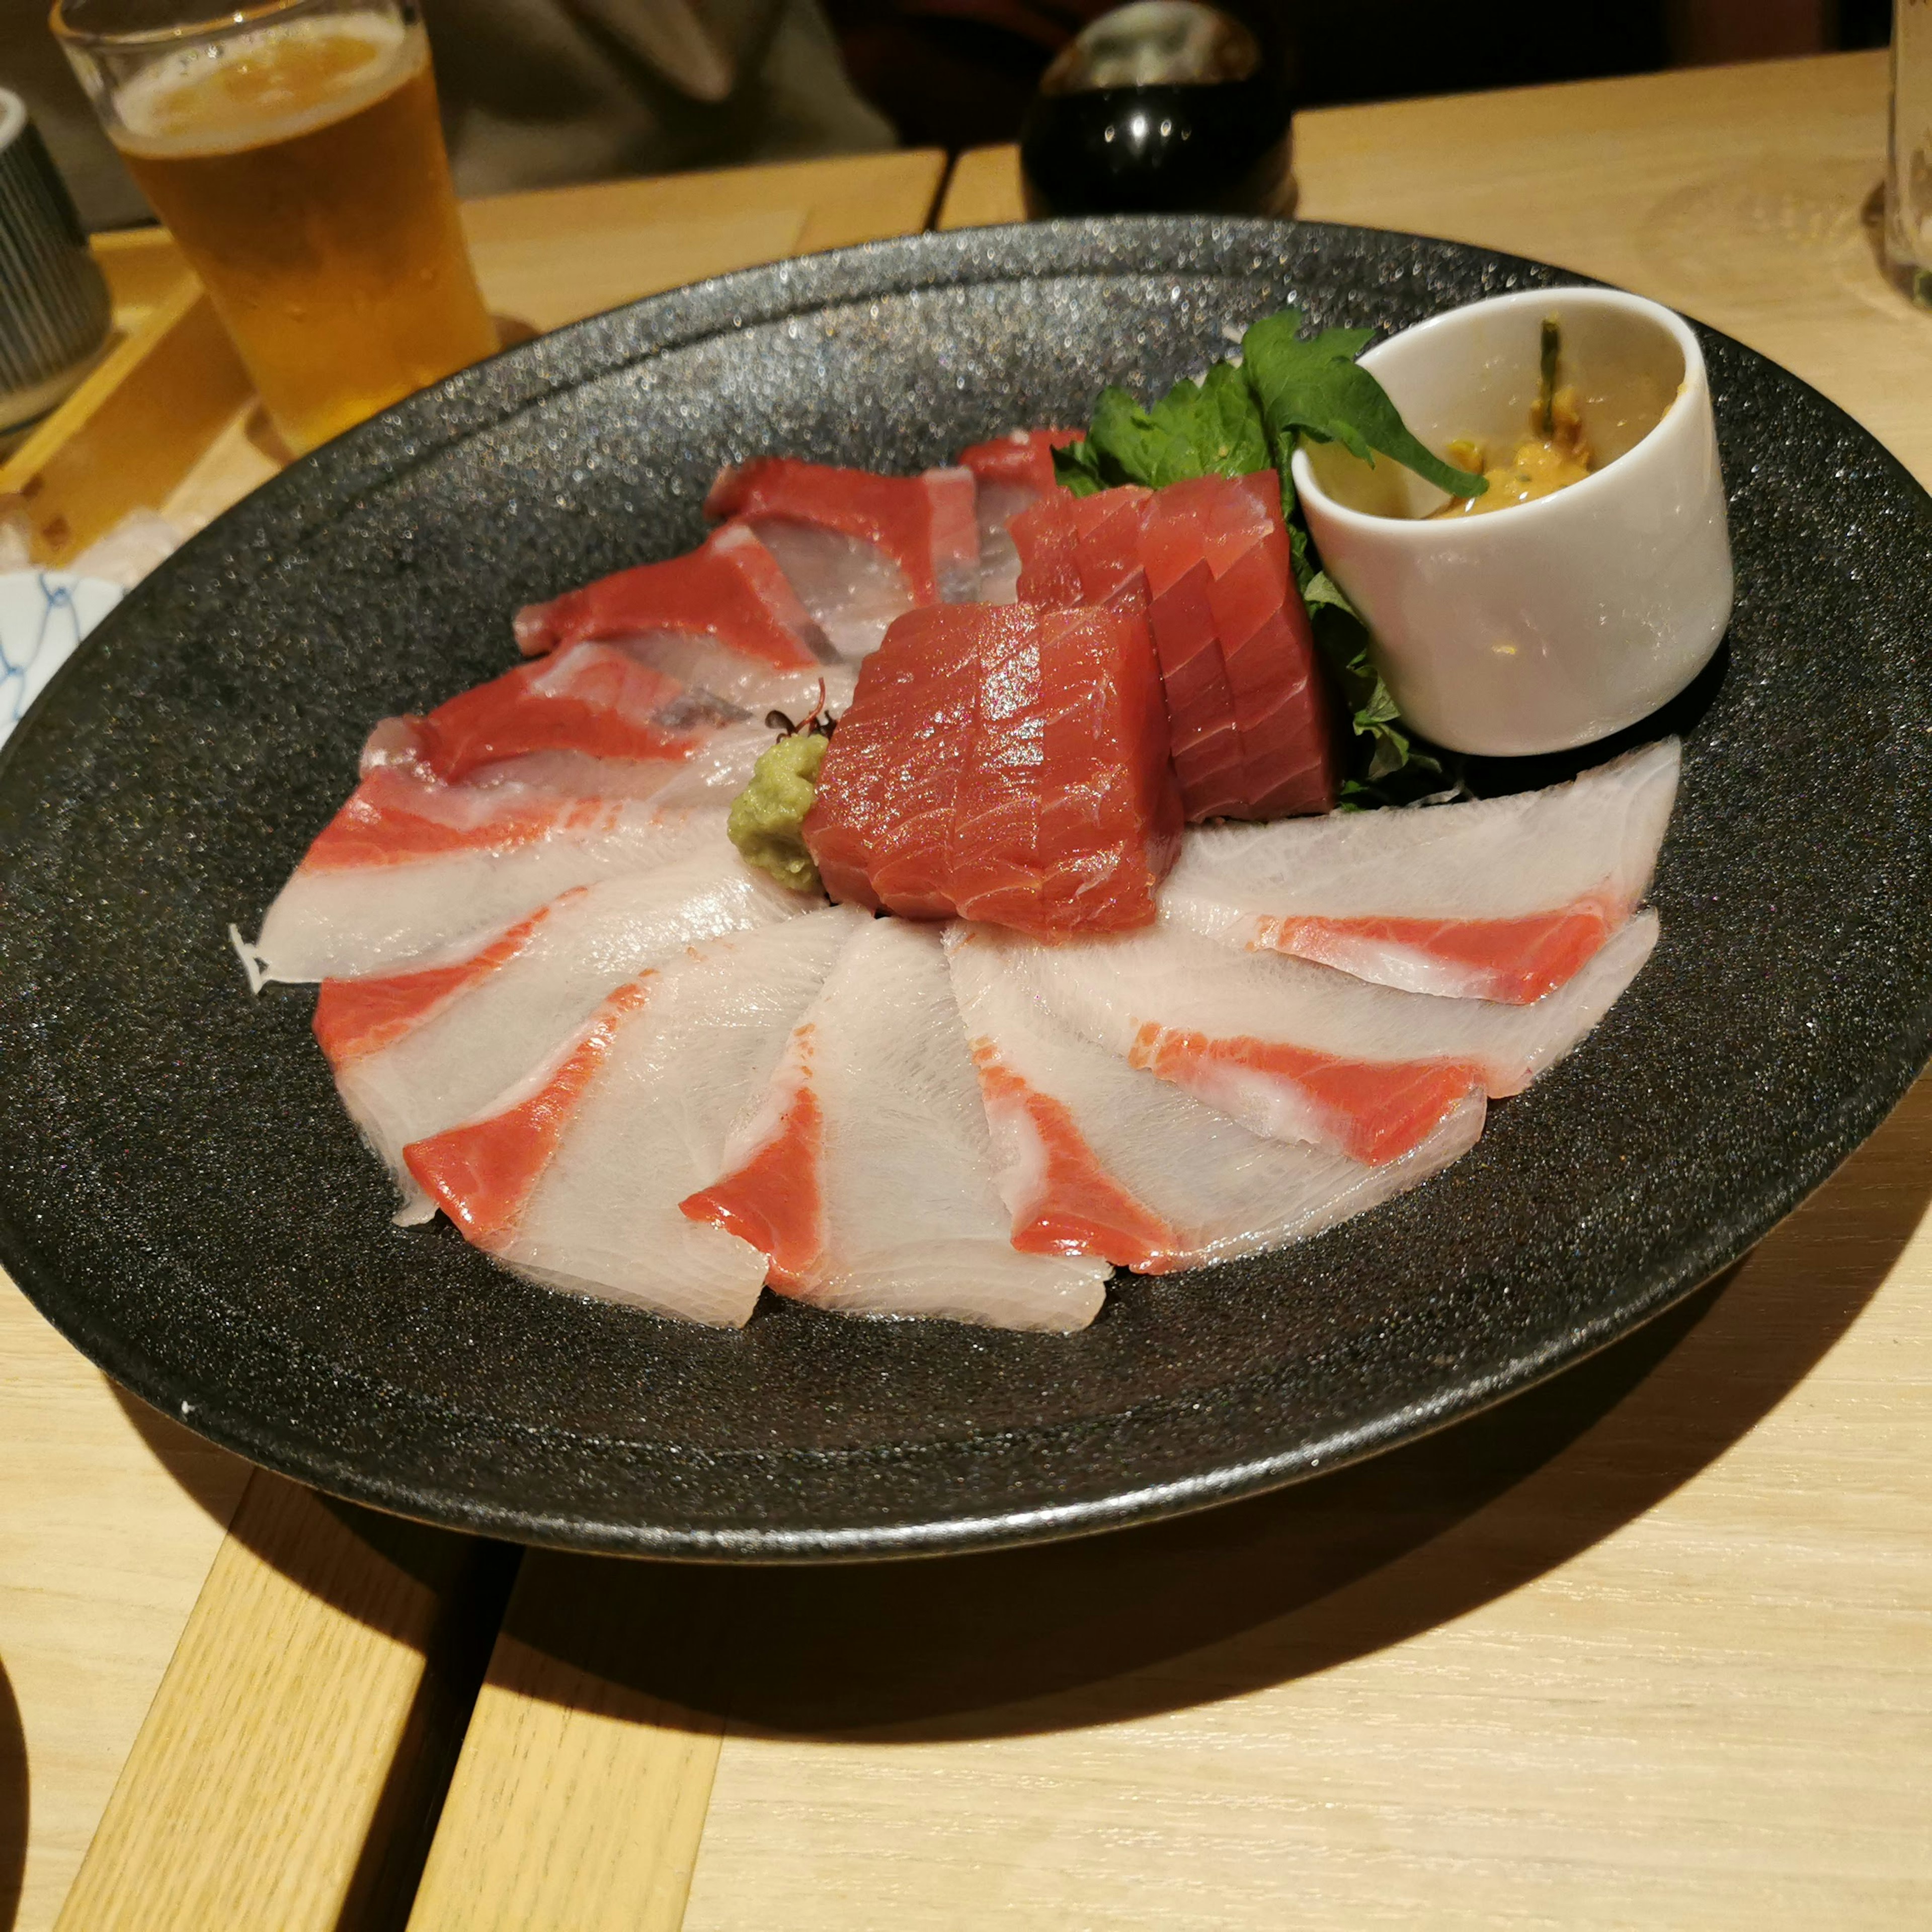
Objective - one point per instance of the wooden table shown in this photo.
(1647, 1647)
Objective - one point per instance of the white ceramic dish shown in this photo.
(1554, 623)
(44, 615)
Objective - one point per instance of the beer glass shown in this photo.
(293, 148)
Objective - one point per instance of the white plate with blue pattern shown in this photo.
(43, 615)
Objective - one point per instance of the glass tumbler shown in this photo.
(1908, 175)
(292, 147)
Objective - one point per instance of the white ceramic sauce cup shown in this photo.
(1556, 622)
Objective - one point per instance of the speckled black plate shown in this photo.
(182, 1196)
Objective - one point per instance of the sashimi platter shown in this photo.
(969, 890)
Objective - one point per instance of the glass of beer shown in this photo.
(293, 148)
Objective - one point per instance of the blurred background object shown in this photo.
(54, 311)
(1908, 176)
(294, 152)
(537, 93)
(1160, 106)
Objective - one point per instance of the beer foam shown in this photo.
(176, 109)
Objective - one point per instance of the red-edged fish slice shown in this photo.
(575, 1179)
(592, 699)
(1096, 1158)
(1299, 1052)
(730, 588)
(925, 524)
(1023, 456)
(1253, 725)
(1504, 898)
(411, 872)
(866, 1175)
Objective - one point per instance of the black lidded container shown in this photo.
(1163, 106)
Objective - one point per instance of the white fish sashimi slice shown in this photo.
(1501, 899)
(866, 1173)
(418, 1052)
(852, 588)
(703, 664)
(575, 1180)
(1097, 1157)
(713, 775)
(1300, 1052)
(997, 505)
(412, 870)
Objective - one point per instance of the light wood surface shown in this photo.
(580, 1797)
(108, 1530)
(1646, 1648)
(289, 1771)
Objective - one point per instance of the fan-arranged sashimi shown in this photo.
(1254, 731)
(858, 549)
(575, 1180)
(1012, 472)
(1303, 1052)
(1501, 899)
(1052, 1024)
(1095, 1156)
(1002, 761)
(726, 604)
(416, 1052)
(867, 1174)
(411, 870)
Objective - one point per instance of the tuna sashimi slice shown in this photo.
(866, 1173)
(1252, 723)
(858, 549)
(575, 1180)
(1012, 471)
(887, 791)
(412, 871)
(1067, 816)
(1083, 550)
(1296, 1051)
(1097, 1157)
(1004, 762)
(416, 1052)
(1502, 899)
(730, 591)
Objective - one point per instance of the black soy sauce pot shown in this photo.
(1163, 106)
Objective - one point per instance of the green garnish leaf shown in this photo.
(1314, 387)
(1212, 427)
(1077, 467)
(766, 817)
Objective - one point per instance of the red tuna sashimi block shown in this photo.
(1082, 550)
(1021, 456)
(730, 588)
(590, 698)
(1252, 725)
(878, 831)
(1009, 763)
(927, 525)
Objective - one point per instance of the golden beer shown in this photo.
(302, 171)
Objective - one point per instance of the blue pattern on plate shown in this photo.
(43, 615)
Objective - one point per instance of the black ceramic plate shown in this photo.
(182, 1196)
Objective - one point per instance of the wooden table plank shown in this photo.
(580, 1797)
(290, 1772)
(110, 1516)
